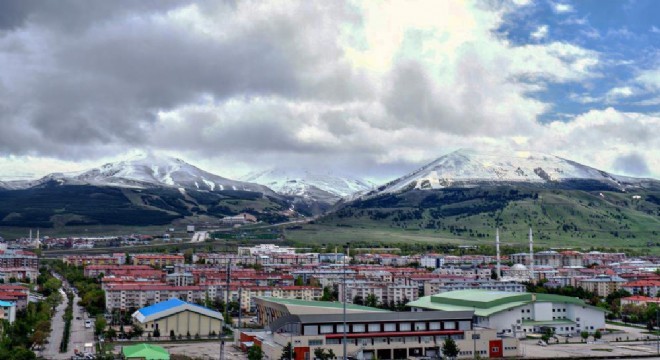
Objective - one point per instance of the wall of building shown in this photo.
(396, 347)
(183, 323)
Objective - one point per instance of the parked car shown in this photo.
(88, 324)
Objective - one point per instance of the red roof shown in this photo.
(642, 283)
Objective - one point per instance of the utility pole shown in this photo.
(344, 299)
(222, 339)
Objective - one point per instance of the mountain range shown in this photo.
(450, 194)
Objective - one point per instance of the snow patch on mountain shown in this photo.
(148, 171)
(328, 186)
(467, 167)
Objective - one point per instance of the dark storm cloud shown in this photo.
(632, 164)
(105, 71)
(73, 15)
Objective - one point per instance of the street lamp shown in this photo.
(346, 248)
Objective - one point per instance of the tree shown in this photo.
(584, 335)
(255, 353)
(357, 300)
(137, 331)
(110, 334)
(371, 300)
(328, 294)
(38, 339)
(450, 349)
(99, 325)
(322, 354)
(286, 353)
(547, 334)
(597, 335)
(156, 333)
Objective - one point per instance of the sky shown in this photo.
(371, 88)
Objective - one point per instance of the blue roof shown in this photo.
(6, 303)
(161, 306)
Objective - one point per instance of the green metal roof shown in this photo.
(322, 304)
(486, 303)
(145, 351)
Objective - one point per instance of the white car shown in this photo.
(88, 324)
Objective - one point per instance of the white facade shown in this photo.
(531, 318)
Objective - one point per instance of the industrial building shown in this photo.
(370, 333)
(177, 317)
(517, 314)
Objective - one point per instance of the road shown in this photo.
(52, 348)
(199, 236)
(79, 334)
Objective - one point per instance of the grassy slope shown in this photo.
(559, 218)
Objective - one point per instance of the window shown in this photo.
(450, 325)
(326, 329)
(358, 328)
(404, 327)
(374, 327)
(434, 325)
(420, 326)
(333, 341)
(340, 328)
(316, 342)
(389, 327)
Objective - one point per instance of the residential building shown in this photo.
(645, 287)
(8, 311)
(135, 295)
(602, 285)
(157, 260)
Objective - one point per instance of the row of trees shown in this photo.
(32, 326)
(92, 297)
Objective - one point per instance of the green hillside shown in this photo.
(84, 205)
(559, 217)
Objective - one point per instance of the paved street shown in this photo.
(199, 236)
(52, 349)
(79, 334)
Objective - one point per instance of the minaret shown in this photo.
(37, 242)
(531, 255)
(497, 248)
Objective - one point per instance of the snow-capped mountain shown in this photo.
(149, 171)
(470, 167)
(327, 187)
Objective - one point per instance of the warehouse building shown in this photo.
(177, 317)
(517, 314)
(370, 333)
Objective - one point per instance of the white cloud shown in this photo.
(562, 8)
(617, 93)
(360, 85)
(540, 33)
(613, 133)
(650, 79)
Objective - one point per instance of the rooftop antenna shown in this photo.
(531, 255)
(497, 247)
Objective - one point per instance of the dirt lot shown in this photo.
(207, 350)
(607, 346)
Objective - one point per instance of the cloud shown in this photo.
(562, 8)
(612, 132)
(617, 93)
(540, 33)
(360, 85)
(632, 164)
